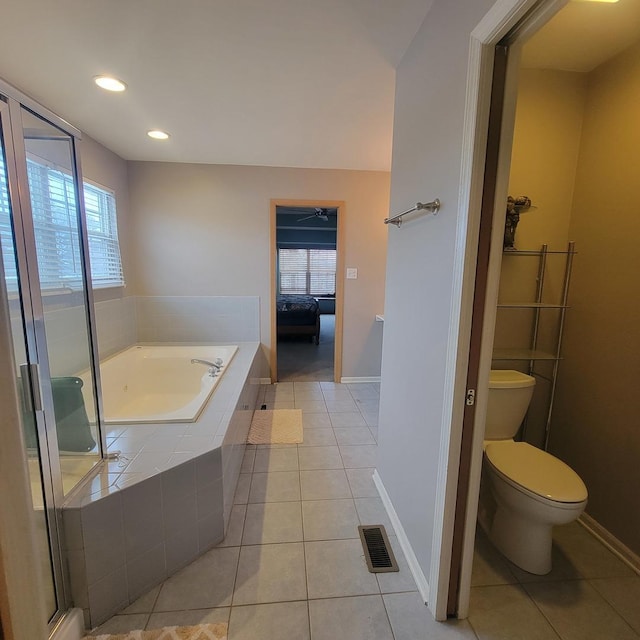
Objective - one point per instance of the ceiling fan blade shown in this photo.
(313, 215)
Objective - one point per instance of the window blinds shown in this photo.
(307, 271)
(55, 222)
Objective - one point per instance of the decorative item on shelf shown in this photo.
(515, 206)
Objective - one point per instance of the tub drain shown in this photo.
(377, 550)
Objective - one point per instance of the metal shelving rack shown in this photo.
(532, 354)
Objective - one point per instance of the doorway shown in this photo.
(306, 294)
(557, 218)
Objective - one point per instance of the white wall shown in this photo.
(420, 284)
(203, 230)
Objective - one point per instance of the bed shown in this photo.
(298, 315)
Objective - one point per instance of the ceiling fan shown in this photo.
(319, 213)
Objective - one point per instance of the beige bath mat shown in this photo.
(216, 631)
(277, 426)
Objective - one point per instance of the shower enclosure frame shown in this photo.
(11, 109)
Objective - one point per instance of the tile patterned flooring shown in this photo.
(291, 566)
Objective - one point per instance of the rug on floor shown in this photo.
(216, 631)
(276, 426)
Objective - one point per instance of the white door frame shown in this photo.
(341, 207)
(520, 19)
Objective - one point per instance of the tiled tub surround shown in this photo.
(227, 319)
(165, 500)
(127, 320)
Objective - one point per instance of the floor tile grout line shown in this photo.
(304, 550)
(155, 601)
(535, 604)
(473, 630)
(611, 604)
(146, 624)
(386, 611)
(582, 579)
(235, 578)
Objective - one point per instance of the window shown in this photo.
(56, 230)
(307, 271)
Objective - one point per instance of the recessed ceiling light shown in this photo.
(109, 83)
(156, 134)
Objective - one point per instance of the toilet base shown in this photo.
(524, 542)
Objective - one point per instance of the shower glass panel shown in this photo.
(54, 196)
(37, 458)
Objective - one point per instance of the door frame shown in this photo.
(509, 22)
(340, 261)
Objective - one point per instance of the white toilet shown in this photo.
(525, 491)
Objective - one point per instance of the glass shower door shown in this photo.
(44, 517)
(46, 282)
(55, 195)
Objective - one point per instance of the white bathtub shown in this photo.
(159, 384)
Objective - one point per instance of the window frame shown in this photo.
(104, 244)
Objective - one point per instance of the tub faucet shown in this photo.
(214, 367)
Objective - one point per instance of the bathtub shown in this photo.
(160, 384)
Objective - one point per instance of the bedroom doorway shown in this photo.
(306, 292)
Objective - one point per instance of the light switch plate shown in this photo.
(352, 274)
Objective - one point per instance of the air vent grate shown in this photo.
(377, 550)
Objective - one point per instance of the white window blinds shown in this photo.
(6, 233)
(56, 230)
(307, 271)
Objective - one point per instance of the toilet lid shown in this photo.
(537, 471)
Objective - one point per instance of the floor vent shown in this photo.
(377, 550)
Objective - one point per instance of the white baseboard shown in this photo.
(71, 627)
(361, 379)
(618, 548)
(414, 566)
(264, 380)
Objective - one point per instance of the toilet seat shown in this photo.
(536, 472)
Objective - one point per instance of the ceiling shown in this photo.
(583, 35)
(307, 218)
(295, 83)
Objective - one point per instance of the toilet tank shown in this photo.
(510, 393)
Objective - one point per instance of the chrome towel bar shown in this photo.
(432, 207)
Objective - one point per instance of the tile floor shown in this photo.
(291, 566)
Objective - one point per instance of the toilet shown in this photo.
(524, 491)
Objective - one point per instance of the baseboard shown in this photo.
(414, 566)
(70, 627)
(264, 380)
(618, 548)
(361, 379)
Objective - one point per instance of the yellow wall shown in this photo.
(544, 161)
(576, 156)
(545, 153)
(595, 425)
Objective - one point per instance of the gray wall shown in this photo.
(201, 230)
(110, 170)
(429, 109)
